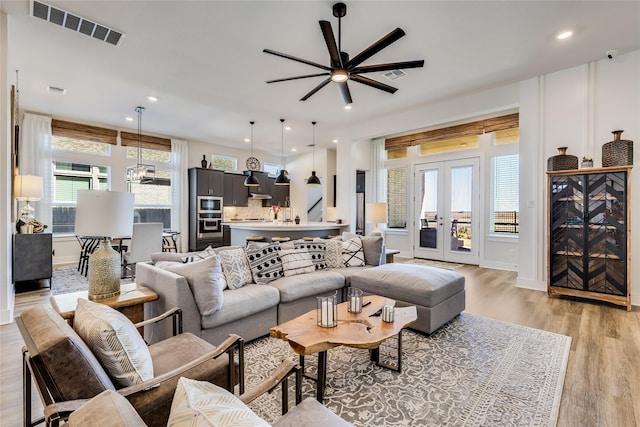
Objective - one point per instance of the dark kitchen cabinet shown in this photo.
(235, 193)
(279, 193)
(207, 182)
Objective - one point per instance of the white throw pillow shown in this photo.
(352, 253)
(316, 249)
(296, 261)
(202, 404)
(115, 341)
(235, 268)
(333, 253)
(265, 263)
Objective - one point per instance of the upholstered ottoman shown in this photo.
(438, 294)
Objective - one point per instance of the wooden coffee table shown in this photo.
(361, 330)
(130, 302)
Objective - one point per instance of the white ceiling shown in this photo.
(204, 60)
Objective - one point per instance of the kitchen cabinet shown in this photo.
(589, 234)
(279, 193)
(207, 182)
(235, 193)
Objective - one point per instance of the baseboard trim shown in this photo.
(535, 285)
(499, 265)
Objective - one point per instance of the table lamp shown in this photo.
(104, 214)
(376, 214)
(28, 188)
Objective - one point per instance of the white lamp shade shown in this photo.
(28, 187)
(376, 213)
(331, 214)
(104, 213)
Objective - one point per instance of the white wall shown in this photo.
(576, 108)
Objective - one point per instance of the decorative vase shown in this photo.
(204, 162)
(562, 161)
(297, 219)
(586, 165)
(618, 152)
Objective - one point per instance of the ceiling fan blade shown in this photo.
(388, 67)
(330, 40)
(293, 58)
(367, 81)
(315, 89)
(346, 93)
(297, 77)
(375, 48)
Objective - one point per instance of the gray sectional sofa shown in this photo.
(252, 309)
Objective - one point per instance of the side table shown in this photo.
(130, 302)
(390, 253)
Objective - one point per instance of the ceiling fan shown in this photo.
(342, 67)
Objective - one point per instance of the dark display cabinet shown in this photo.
(589, 234)
(32, 257)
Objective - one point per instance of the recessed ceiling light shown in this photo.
(129, 119)
(152, 98)
(348, 107)
(335, 141)
(293, 149)
(564, 35)
(287, 128)
(247, 140)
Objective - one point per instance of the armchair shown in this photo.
(64, 368)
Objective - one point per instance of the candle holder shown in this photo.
(354, 299)
(327, 311)
(387, 313)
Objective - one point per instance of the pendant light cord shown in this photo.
(282, 142)
(252, 123)
(139, 110)
(314, 145)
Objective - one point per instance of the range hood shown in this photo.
(261, 196)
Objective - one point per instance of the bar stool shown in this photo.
(280, 239)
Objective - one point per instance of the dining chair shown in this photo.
(145, 240)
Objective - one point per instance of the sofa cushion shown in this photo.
(333, 253)
(296, 261)
(265, 263)
(205, 280)
(235, 268)
(115, 341)
(293, 288)
(182, 256)
(242, 303)
(316, 249)
(349, 272)
(202, 404)
(352, 253)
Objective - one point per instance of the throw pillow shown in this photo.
(115, 341)
(352, 253)
(296, 261)
(202, 404)
(333, 253)
(205, 280)
(182, 257)
(265, 263)
(373, 247)
(235, 268)
(316, 249)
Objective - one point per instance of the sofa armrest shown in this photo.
(173, 291)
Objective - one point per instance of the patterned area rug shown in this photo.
(68, 279)
(431, 263)
(474, 371)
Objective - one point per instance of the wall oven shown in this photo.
(209, 217)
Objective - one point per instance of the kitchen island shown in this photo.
(241, 230)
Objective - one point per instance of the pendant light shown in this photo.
(141, 173)
(253, 164)
(313, 179)
(283, 177)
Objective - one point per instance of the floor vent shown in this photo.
(394, 74)
(75, 23)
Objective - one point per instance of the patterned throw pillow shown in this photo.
(200, 403)
(316, 249)
(333, 253)
(296, 261)
(265, 263)
(235, 268)
(352, 253)
(115, 341)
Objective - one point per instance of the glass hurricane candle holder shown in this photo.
(354, 299)
(327, 311)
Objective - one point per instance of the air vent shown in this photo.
(56, 90)
(394, 74)
(75, 23)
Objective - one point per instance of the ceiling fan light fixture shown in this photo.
(339, 75)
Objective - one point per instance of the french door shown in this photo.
(446, 211)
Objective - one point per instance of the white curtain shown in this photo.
(180, 192)
(35, 159)
(378, 176)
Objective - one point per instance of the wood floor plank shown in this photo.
(602, 383)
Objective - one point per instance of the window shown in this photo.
(271, 168)
(64, 143)
(505, 195)
(68, 178)
(462, 143)
(223, 162)
(149, 154)
(397, 153)
(153, 201)
(397, 198)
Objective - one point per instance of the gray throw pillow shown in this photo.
(333, 253)
(373, 247)
(205, 280)
(265, 263)
(235, 268)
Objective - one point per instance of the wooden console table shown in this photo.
(130, 302)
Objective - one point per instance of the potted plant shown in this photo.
(587, 162)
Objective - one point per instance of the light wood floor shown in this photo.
(602, 384)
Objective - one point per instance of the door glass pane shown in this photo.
(429, 210)
(461, 207)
